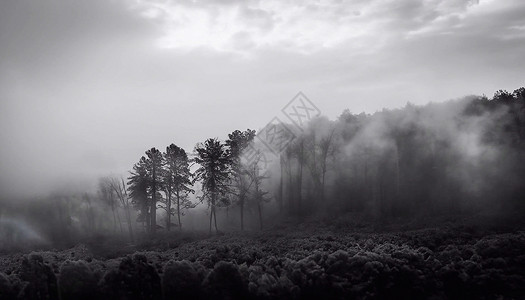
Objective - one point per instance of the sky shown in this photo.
(87, 86)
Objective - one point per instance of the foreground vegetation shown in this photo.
(310, 260)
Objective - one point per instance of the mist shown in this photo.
(262, 149)
(460, 158)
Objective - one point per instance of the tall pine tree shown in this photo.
(154, 178)
(214, 173)
(237, 143)
(177, 183)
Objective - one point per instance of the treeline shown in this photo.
(458, 157)
(455, 158)
(159, 180)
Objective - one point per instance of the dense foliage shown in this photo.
(312, 262)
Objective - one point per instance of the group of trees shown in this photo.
(446, 158)
(164, 180)
(456, 157)
(113, 193)
(161, 180)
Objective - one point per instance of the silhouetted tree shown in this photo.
(154, 176)
(119, 187)
(138, 192)
(177, 182)
(108, 196)
(519, 94)
(238, 141)
(320, 147)
(503, 96)
(258, 195)
(298, 151)
(214, 173)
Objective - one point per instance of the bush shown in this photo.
(7, 290)
(76, 281)
(225, 282)
(134, 279)
(39, 281)
(181, 281)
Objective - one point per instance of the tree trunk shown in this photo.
(211, 217)
(153, 213)
(300, 180)
(367, 184)
(323, 174)
(291, 198)
(397, 171)
(147, 217)
(300, 188)
(168, 210)
(114, 218)
(241, 205)
(326, 149)
(212, 209)
(178, 210)
(215, 217)
(125, 203)
(130, 226)
(119, 222)
(323, 184)
(260, 215)
(281, 184)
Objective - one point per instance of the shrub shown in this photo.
(39, 281)
(76, 281)
(7, 290)
(225, 282)
(181, 281)
(134, 279)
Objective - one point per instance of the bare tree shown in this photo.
(108, 197)
(119, 187)
(90, 214)
(259, 196)
(320, 148)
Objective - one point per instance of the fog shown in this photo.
(88, 86)
(262, 149)
(458, 157)
(461, 158)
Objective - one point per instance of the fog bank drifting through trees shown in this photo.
(460, 157)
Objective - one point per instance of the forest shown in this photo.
(415, 202)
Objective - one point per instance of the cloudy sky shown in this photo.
(87, 86)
